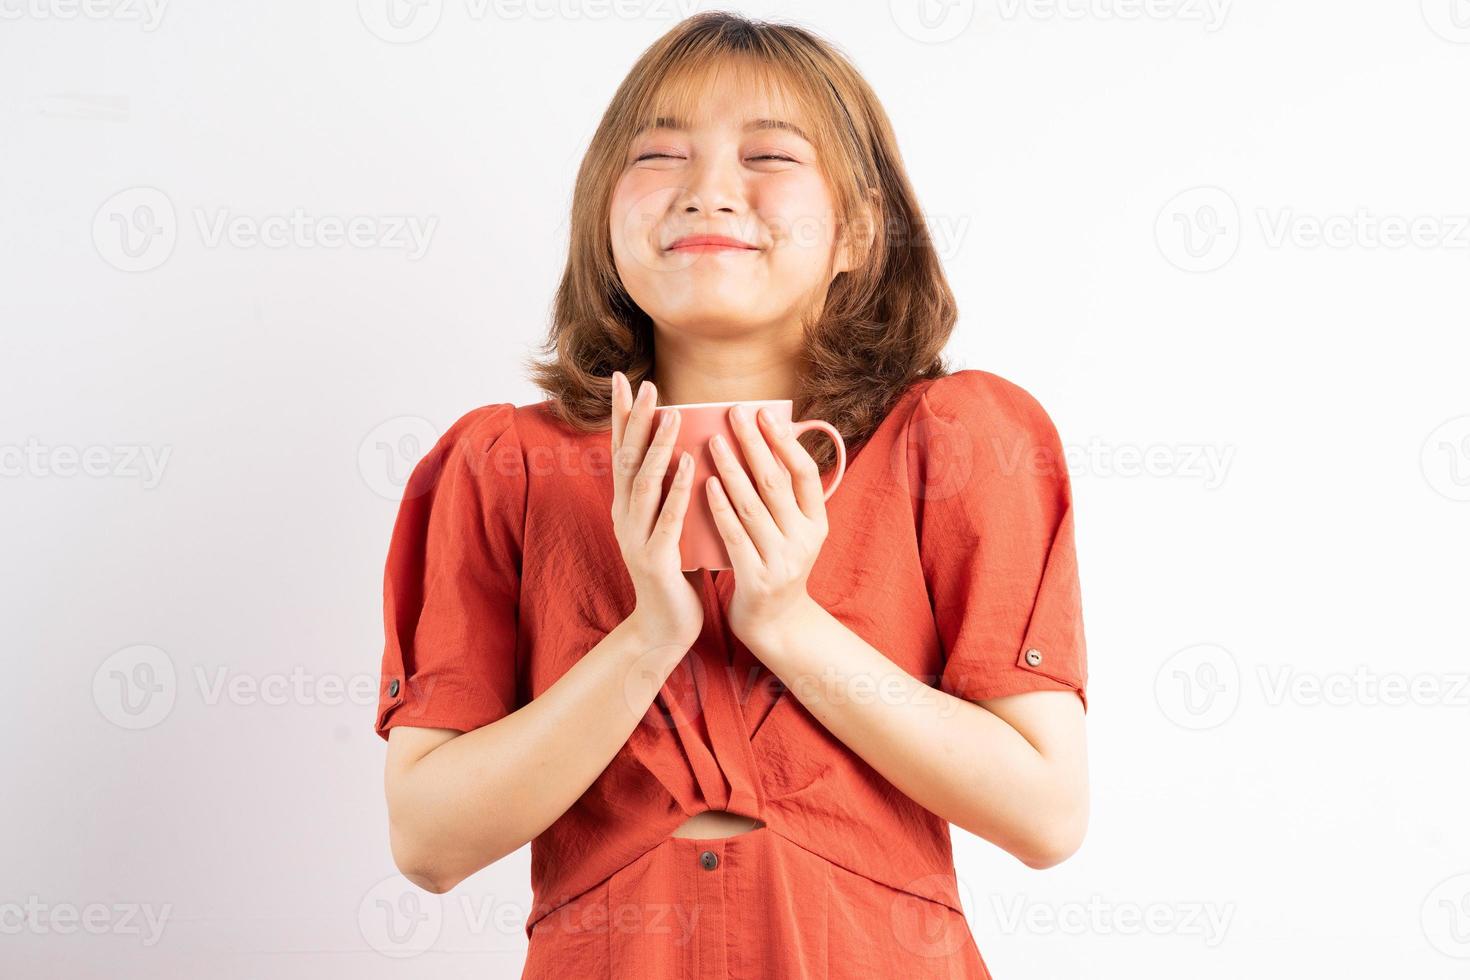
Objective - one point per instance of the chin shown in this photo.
(714, 320)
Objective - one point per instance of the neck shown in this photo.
(691, 369)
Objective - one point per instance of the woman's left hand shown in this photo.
(773, 526)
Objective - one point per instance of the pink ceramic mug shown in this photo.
(700, 546)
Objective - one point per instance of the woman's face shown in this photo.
(736, 173)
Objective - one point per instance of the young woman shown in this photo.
(747, 773)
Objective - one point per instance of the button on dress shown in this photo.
(950, 549)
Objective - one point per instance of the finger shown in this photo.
(620, 405)
(768, 475)
(750, 509)
(648, 483)
(743, 554)
(671, 516)
(629, 455)
(806, 479)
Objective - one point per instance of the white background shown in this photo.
(1180, 225)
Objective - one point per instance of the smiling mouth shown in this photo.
(710, 243)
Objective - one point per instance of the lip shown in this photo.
(708, 243)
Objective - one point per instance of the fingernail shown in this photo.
(718, 441)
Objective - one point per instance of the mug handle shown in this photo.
(797, 428)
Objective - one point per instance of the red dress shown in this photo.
(950, 550)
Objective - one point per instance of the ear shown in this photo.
(859, 235)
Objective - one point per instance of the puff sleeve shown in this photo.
(451, 586)
(993, 507)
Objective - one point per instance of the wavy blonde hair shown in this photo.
(883, 324)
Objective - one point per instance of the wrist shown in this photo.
(650, 641)
(785, 629)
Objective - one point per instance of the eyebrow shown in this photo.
(678, 125)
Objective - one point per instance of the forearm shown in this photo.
(951, 756)
(478, 796)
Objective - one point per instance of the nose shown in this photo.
(714, 186)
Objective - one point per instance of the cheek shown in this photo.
(639, 200)
(800, 214)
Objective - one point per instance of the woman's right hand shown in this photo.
(669, 609)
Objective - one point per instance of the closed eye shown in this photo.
(670, 156)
